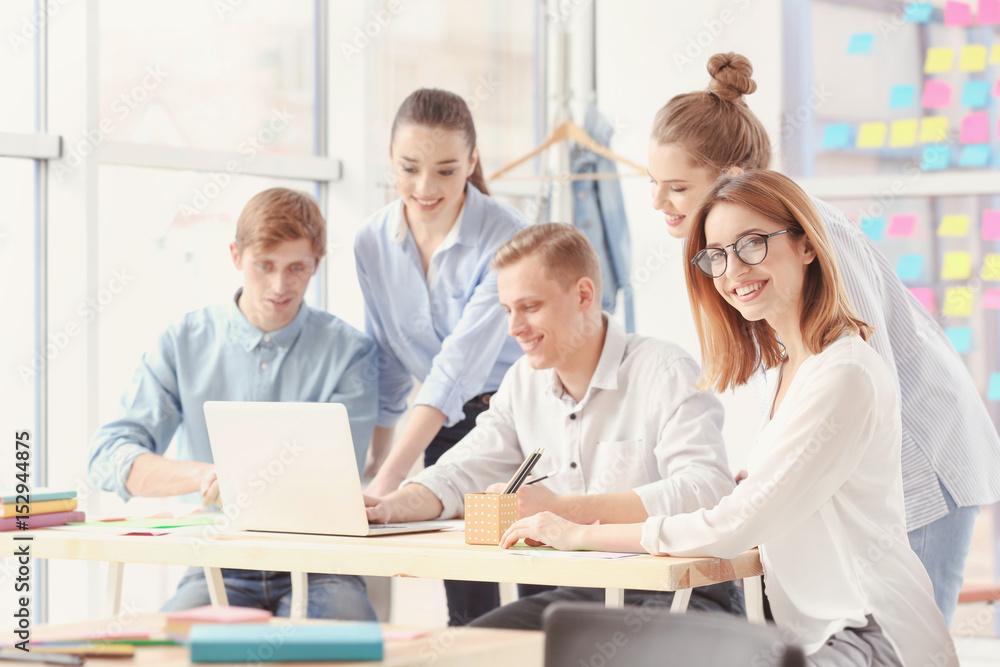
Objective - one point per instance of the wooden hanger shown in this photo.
(570, 130)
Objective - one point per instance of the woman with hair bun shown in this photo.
(431, 300)
(950, 449)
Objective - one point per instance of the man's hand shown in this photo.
(384, 483)
(544, 528)
(532, 499)
(377, 509)
(210, 489)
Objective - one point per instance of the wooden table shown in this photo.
(440, 555)
(442, 647)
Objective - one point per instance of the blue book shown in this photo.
(9, 496)
(284, 642)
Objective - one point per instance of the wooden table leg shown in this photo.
(216, 586)
(113, 596)
(614, 598)
(300, 595)
(681, 599)
(753, 595)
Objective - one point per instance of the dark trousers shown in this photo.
(467, 600)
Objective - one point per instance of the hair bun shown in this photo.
(731, 76)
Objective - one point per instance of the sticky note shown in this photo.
(991, 299)
(910, 267)
(973, 58)
(991, 267)
(975, 128)
(871, 135)
(989, 12)
(995, 54)
(837, 135)
(902, 225)
(938, 60)
(902, 97)
(957, 14)
(918, 12)
(937, 95)
(975, 94)
(902, 133)
(956, 266)
(991, 225)
(974, 156)
(957, 302)
(996, 89)
(925, 295)
(960, 337)
(860, 44)
(993, 393)
(933, 129)
(874, 228)
(934, 158)
(953, 225)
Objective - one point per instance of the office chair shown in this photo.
(580, 634)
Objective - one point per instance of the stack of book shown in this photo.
(45, 507)
(179, 623)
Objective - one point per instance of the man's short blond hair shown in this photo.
(566, 253)
(277, 215)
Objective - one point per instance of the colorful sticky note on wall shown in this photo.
(937, 94)
(934, 158)
(953, 225)
(902, 225)
(957, 14)
(975, 128)
(902, 97)
(975, 94)
(995, 53)
(871, 135)
(993, 393)
(957, 302)
(925, 295)
(910, 267)
(996, 89)
(960, 337)
(918, 12)
(956, 266)
(902, 133)
(973, 58)
(991, 267)
(837, 135)
(991, 299)
(974, 156)
(874, 228)
(989, 12)
(938, 59)
(860, 44)
(933, 129)
(991, 225)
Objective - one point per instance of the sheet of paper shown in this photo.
(975, 128)
(957, 14)
(934, 158)
(973, 58)
(957, 302)
(837, 135)
(989, 12)
(995, 52)
(991, 299)
(933, 129)
(871, 135)
(925, 295)
(993, 393)
(902, 225)
(873, 227)
(549, 552)
(991, 267)
(860, 44)
(903, 133)
(918, 12)
(960, 337)
(954, 225)
(975, 94)
(956, 266)
(910, 267)
(937, 95)
(938, 60)
(902, 97)
(974, 156)
(991, 225)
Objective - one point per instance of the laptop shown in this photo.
(291, 468)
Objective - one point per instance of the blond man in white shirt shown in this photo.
(620, 419)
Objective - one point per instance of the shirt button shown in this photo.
(573, 416)
(573, 464)
(267, 338)
(263, 366)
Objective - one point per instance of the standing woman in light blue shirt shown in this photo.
(431, 300)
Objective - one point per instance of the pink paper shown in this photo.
(925, 295)
(937, 95)
(219, 614)
(975, 128)
(996, 89)
(957, 13)
(991, 299)
(403, 635)
(989, 12)
(991, 225)
(902, 226)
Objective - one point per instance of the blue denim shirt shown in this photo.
(452, 336)
(216, 354)
(599, 211)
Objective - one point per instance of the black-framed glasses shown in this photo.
(750, 248)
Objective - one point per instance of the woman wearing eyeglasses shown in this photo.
(823, 498)
(951, 451)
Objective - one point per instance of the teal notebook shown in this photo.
(280, 642)
(8, 496)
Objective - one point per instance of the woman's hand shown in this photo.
(545, 528)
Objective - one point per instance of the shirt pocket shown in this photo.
(618, 465)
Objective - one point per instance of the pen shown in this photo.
(525, 469)
(545, 476)
(517, 474)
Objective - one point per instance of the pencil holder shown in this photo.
(488, 516)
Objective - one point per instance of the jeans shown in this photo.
(942, 547)
(331, 596)
(467, 600)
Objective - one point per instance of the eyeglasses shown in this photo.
(750, 248)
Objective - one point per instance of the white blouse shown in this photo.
(824, 502)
